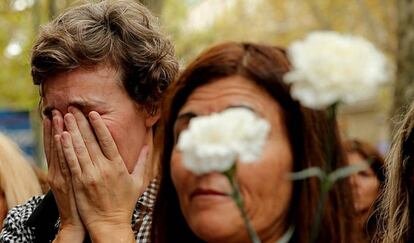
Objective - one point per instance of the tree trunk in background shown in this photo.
(36, 16)
(52, 9)
(404, 85)
(154, 5)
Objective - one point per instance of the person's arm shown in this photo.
(60, 181)
(108, 232)
(106, 193)
(68, 234)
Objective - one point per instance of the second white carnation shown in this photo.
(215, 142)
(329, 67)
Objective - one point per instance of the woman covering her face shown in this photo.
(366, 185)
(397, 207)
(197, 208)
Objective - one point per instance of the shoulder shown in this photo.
(14, 226)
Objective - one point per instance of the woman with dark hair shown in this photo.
(397, 208)
(366, 186)
(196, 208)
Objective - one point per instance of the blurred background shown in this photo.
(195, 24)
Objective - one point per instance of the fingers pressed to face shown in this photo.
(51, 127)
(87, 134)
(57, 122)
(77, 143)
(47, 138)
(57, 129)
(70, 154)
(107, 143)
(62, 162)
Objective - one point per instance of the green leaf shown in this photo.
(346, 171)
(287, 235)
(307, 173)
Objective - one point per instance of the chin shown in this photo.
(220, 234)
(218, 225)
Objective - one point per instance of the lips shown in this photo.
(207, 192)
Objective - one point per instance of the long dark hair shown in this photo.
(265, 66)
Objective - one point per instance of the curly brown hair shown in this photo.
(121, 33)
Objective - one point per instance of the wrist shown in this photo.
(106, 232)
(70, 234)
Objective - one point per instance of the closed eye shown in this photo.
(47, 112)
(182, 123)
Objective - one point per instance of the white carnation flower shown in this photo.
(329, 67)
(215, 142)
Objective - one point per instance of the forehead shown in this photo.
(356, 158)
(94, 84)
(226, 92)
(101, 74)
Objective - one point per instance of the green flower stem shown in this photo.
(331, 116)
(326, 183)
(238, 199)
(325, 188)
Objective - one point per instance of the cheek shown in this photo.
(370, 185)
(128, 136)
(123, 124)
(182, 180)
(267, 184)
(179, 174)
(123, 132)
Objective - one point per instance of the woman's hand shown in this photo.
(59, 179)
(105, 192)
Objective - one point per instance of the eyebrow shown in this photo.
(186, 115)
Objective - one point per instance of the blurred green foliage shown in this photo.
(20, 21)
(277, 21)
(267, 21)
(16, 91)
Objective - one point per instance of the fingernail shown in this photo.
(93, 115)
(54, 112)
(71, 109)
(68, 118)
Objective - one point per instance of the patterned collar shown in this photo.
(147, 199)
(45, 218)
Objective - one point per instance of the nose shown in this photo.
(352, 180)
(354, 183)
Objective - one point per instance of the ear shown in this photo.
(153, 116)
